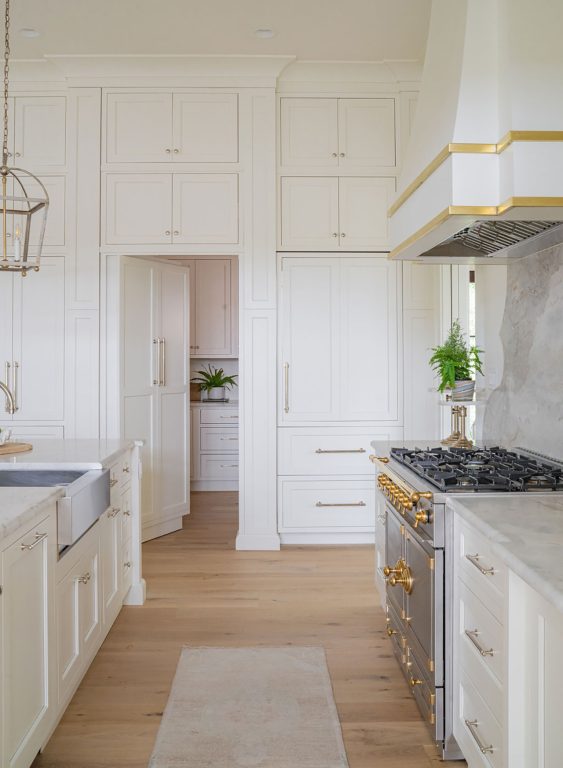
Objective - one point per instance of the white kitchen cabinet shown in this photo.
(165, 208)
(326, 506)
(111, 560)
(154, 350)
(39, 132)
(26, 632)
(215, 446)
(157, 126)
(329, 306)
(335, 214)
(344, 133)
(32, 311)
(55, 229)
(213, 308)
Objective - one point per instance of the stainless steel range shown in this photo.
(415, 483)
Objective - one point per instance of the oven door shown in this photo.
(424, 605)
(394, 540)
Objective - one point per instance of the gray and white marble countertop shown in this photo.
(18, 506)
(73, 454)
(525, 531)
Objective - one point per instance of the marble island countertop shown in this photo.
(73, 454)
(526, 531)
(19, 506)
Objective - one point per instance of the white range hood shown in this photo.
(483, 173)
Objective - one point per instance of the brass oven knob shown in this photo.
(387, 571)
(417, 496)
(401, 574)
(421, 517)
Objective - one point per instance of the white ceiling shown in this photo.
(333, 30)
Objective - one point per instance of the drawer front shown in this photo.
(219, 439)
(477, 731)
(329, 451)
(218, 467)
(428, 698)
(482, 571)
(327, 506)
(480, 639)
(223, 416)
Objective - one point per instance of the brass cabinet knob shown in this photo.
(413, 681)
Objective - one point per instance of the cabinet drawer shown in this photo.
(482, 571)
(477, 731)
(327, 505)
(326, 451)
(226, 416)
(481, 635)
(218, 467)
(219, 439)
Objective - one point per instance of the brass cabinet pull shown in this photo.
(114, 511)
(39, 537)
(472, 725)
(127, 512)
(474, 560)
(414, 681)
(286, 387)
(156, 379)
(227, 439)
(162, 362)
(473, 634)
(350, 504)
(228, 466)
(84, 579)
(125, 468)
(341, 450)
(127, 564)
(113, 481)
(10, 405)
(16, 386)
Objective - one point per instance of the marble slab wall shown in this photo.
(527, 408)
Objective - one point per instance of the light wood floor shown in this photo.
(202, 592)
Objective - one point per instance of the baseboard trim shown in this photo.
(327, 539)
(265, 542)
(154, 530)
(214, 485)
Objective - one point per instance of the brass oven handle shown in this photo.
(472, 726)
(286, 387)
(341, 450)
(349, 504)
(473, 634)
(474, 560)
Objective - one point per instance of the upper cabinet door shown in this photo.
(309, 132)
(40, 131)
(205, 128)
(213, 315)
(206, 208)
(138, 208)
(364, 203)
(309, 213)
(366, 132)
(139, 127)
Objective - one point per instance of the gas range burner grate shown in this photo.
(482, 469)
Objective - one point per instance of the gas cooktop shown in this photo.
(486, 470)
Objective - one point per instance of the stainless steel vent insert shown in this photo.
(488, 237)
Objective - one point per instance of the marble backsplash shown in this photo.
(527, 408)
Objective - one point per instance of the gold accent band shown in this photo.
(466, 148)
(477, 210)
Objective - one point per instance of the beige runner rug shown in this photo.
(250, 708)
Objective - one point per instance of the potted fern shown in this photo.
(214, 382)
(456, 364)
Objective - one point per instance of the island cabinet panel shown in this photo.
(27, 574)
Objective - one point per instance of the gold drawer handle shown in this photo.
(472, 725)
(39, 537)
(382, 459)
(474, 560)
(341, 450)
(349, 504)
(113, 481)
(473, 634)
(114, 511)
(413, 682)
(84, 579)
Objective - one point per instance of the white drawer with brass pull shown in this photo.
(227, 416)
(327, 505)
(481, 570)
(221, 439)
(215, 466)
(476, 729)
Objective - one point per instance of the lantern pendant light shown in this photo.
(24, 202)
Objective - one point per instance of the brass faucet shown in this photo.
(10, 402)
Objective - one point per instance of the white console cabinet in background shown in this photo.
(215, 445)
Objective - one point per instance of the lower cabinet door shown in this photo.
(327, 505)
(111, 563)
(25, 629)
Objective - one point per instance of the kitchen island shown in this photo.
(57, 603)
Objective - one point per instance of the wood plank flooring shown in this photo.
(202, 592)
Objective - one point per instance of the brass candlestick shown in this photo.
(458, 438)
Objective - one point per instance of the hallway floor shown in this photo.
(201, 592)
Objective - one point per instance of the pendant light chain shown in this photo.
(6, 81)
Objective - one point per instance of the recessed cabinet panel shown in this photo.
(211, 332)
(309, 215)
(363, 213)
(366, 132)
(138, 127)
(138, 208)
(173, 311)
(140, 353)
(174, 460)
(40, 131)
(206, 208)
(205, 128)
(55, 225)
(309, 132)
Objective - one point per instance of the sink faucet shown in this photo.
(10, 402)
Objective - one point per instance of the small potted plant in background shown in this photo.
(456, 364)
(214, 382)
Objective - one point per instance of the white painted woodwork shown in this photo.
(205, 127)
(323, 505)
(205, 208)
(82, 380)
(366, 132)
(111, 560)
(39, 131)
(33, 312)
(213, 308)
(215, 447)
(220, 439)
(138, 208)
(223, 467)
(138, 127)
(32, 432)
(309, 132)
(69, 658)
(363, 205)
(309, 213)
(221, 414)
(25, 635)
(55, 229)
(328, 305)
